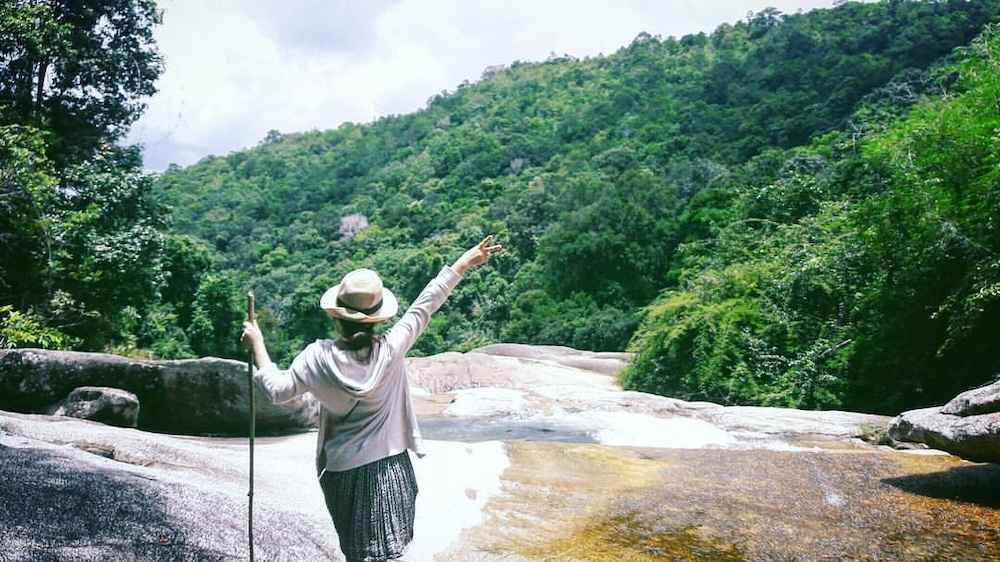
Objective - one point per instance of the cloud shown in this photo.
(236, 69)
(314, 27)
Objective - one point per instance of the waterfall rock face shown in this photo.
(196, 396)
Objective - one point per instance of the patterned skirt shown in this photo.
(372, 507)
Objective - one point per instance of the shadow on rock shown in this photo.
(976, 484)
(60, 511)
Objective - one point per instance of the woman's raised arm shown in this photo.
(404, 334)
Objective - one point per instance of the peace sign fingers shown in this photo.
(487, 246)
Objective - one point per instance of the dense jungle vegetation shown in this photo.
(793, 210)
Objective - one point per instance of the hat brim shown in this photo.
(389, 308)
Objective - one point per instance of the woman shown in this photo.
(367, 421)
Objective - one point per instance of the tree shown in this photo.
(107, 250)
(27, 191)
(83, 237)
(79, 69)
(218, 313)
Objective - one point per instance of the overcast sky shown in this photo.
(238, 68)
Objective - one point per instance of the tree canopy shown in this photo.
(82, 236)
(80, 70)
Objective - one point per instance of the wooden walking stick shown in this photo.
(253, 421)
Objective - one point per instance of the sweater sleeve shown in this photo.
(404, 334)
(283, 385)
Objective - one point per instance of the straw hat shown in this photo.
(360, 297)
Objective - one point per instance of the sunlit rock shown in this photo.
(982, 400)
(352, 224)
(975, 438)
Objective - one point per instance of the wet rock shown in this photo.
(788, 421)
(112, 406)
(589, 502)
(523, 390)
(196, 396)
(450, 371)
(982, 400)
(607, 363)
(974, 438)
(572, 467)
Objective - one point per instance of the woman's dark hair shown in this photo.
(355, 335)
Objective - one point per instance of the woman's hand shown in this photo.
(254, 340)
(476, 255)
(252, 336)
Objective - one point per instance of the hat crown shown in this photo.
(360, 297)
(360, 289)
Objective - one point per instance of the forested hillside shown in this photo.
(862, 270)
(792, 210)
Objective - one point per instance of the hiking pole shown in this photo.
(253, 420)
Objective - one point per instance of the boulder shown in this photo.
(197, 396)
(81, 491)
(976, 438)
(982, 400)
(112, 406)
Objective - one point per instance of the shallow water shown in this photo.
(471, 430)
(547, 492)
(559, 494)
(621, 429)
(603, 503)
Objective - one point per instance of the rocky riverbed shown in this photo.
(534, 454)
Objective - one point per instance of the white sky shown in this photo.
(238, 68)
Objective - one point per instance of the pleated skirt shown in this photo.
(373, 507)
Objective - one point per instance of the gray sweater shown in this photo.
(367, 413)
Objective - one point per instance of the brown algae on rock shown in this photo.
(622, 538)
(591, 502)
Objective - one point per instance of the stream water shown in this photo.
(824, 499)
(548, 488)
(471, 430)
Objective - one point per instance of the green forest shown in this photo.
(792, 210)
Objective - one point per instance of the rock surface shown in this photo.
(213, 392)
(195, 396)
(533, 391)
(967, 426)
(530, 458)
(982, 400)
(80, 491)
(112, 406)
(607, 363)
(976, 438)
